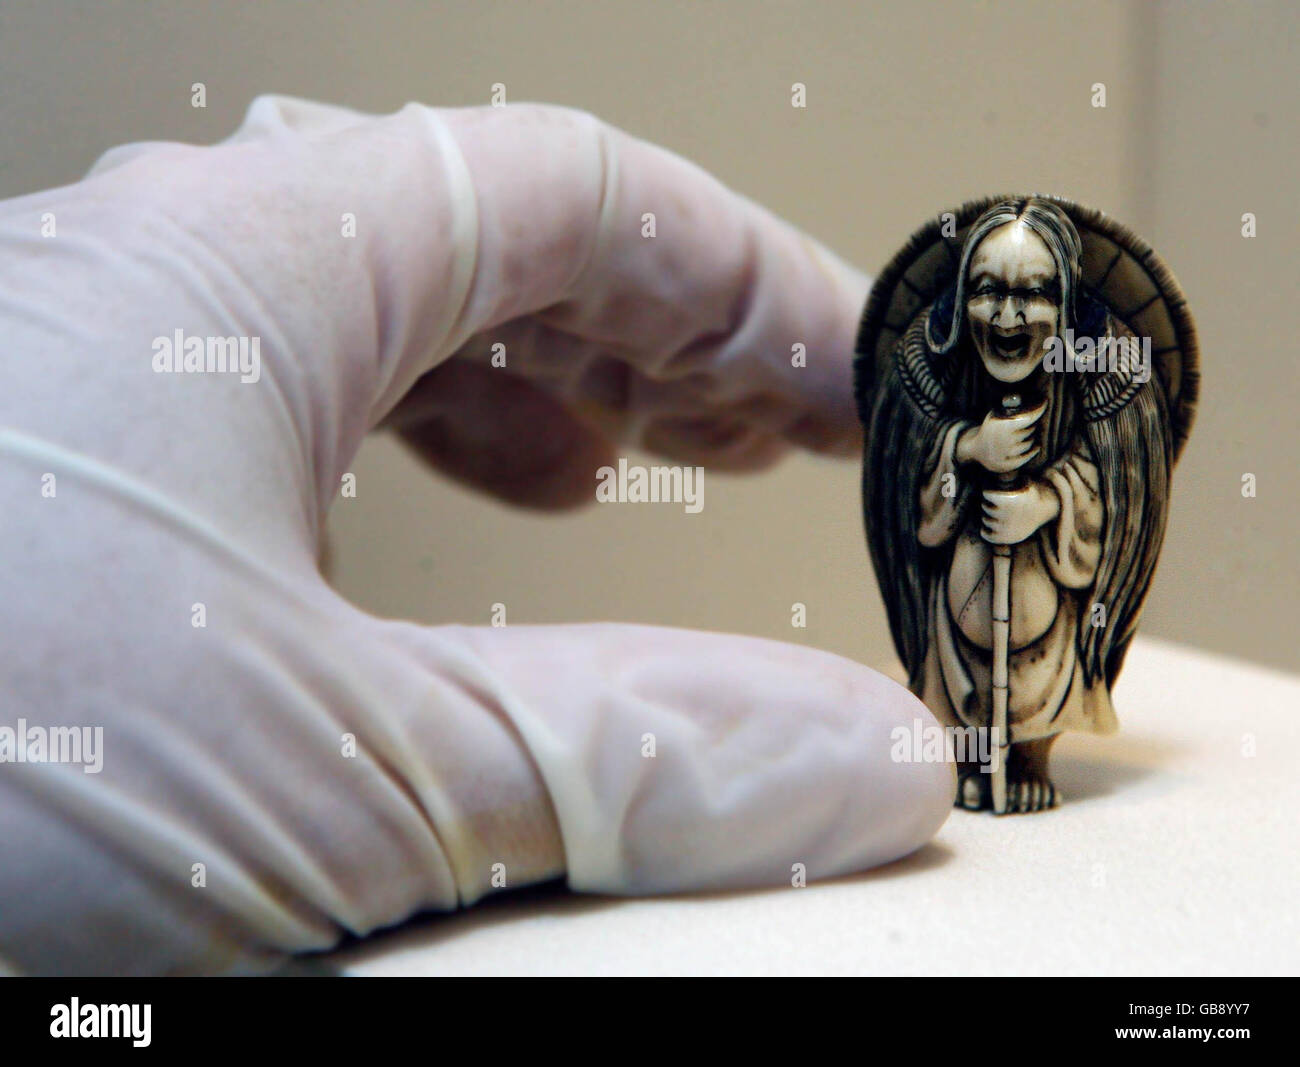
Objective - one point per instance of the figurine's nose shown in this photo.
(1010, 305)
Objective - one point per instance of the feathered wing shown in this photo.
(906, 430)
(1132, 446)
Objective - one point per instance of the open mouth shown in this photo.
(1010, 345)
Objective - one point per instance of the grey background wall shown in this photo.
(911, 107)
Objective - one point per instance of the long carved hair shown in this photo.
(971, 390)
(1057, 232)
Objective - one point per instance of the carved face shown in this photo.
(1013, 301)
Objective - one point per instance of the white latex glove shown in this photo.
(223, 745)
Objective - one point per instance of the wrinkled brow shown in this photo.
(1036, 278)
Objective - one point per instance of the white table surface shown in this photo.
(1175, 853)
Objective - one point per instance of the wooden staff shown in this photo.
(1001, 612)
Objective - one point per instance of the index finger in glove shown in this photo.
(467, 222)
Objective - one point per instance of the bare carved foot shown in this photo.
(973, 788)
(1029, 788)
(1031, 793)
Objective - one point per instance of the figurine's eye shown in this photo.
(1037, 292)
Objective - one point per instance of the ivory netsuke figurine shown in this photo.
(1027, 371)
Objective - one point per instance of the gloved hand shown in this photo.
(279, 767)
